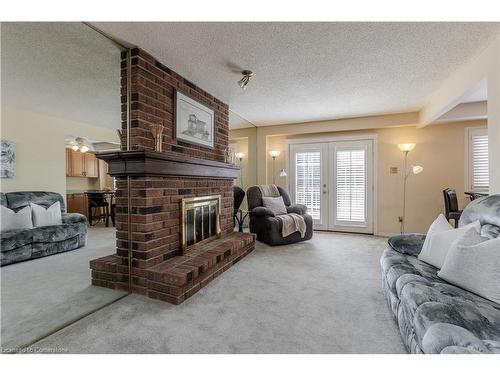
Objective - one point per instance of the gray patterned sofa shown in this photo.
(433, 315)
(25, 244)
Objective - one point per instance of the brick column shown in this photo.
(155, 200)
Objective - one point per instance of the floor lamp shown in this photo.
(274, 154)
(240, 156)
(414, 169)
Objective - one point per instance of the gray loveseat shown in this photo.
(433, 315)
(25, 244)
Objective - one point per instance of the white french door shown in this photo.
(335, 181)
(308, 179)
(351, 181)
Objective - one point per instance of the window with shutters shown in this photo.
(351, 185)
(308, 181)
(477, 159)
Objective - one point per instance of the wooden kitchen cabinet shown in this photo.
(76, 203)
(77, 164)
(91, 165)
(80, 164)
(68, 162)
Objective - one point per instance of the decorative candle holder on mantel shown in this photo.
(157, 131)
(228, 156)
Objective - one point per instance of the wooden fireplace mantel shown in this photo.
(150, 163)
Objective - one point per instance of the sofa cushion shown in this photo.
(19, 199)
(395, 265)
(447, 338)
(11, 220)
(13, 239)
(50, 248)
(55, 233)
(425, 303)
(475, 266)
(439, 225)
(16, 255)
(440, 243)
(44, 217)
(275, 204)
(486, 210)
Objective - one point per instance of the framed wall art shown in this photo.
(194, 122)
(8, 159)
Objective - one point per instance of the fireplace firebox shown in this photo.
(200, 218)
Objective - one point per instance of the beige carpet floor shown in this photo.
(321, 296)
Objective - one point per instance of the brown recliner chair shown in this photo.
(267, 227)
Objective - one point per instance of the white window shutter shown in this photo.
(479, 173)
(351, 185)
(308, 181)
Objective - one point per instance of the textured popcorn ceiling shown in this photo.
(311, 71)
(65, 70)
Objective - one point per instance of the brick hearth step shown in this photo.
(180, 277)
(177, 278)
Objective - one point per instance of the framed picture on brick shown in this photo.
(194, 122)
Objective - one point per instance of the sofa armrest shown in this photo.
(73, 218)
(297, 209)
(409, 244)
(261, 211)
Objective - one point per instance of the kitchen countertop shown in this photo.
(68, 192)
(75, 191)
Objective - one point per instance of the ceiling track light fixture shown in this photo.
(243, 82)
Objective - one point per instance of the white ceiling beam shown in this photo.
(466, 112)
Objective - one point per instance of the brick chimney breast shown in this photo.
(158, 183)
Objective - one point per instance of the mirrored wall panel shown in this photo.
(60, 106)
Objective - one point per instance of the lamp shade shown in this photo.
(416, 169)
(405, 147)
(239, 155)
(274, 153)
(282, 173)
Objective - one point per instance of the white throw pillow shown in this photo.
(474, 264)
(440, 242)
(43, 217)
(275, 204)
(15, 220)
(438, 225)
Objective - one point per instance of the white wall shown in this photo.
(440, 150)
(40, 144)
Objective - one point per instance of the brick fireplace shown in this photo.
(152, 187)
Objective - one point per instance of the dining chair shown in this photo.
(451, 205)
(98, 202)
